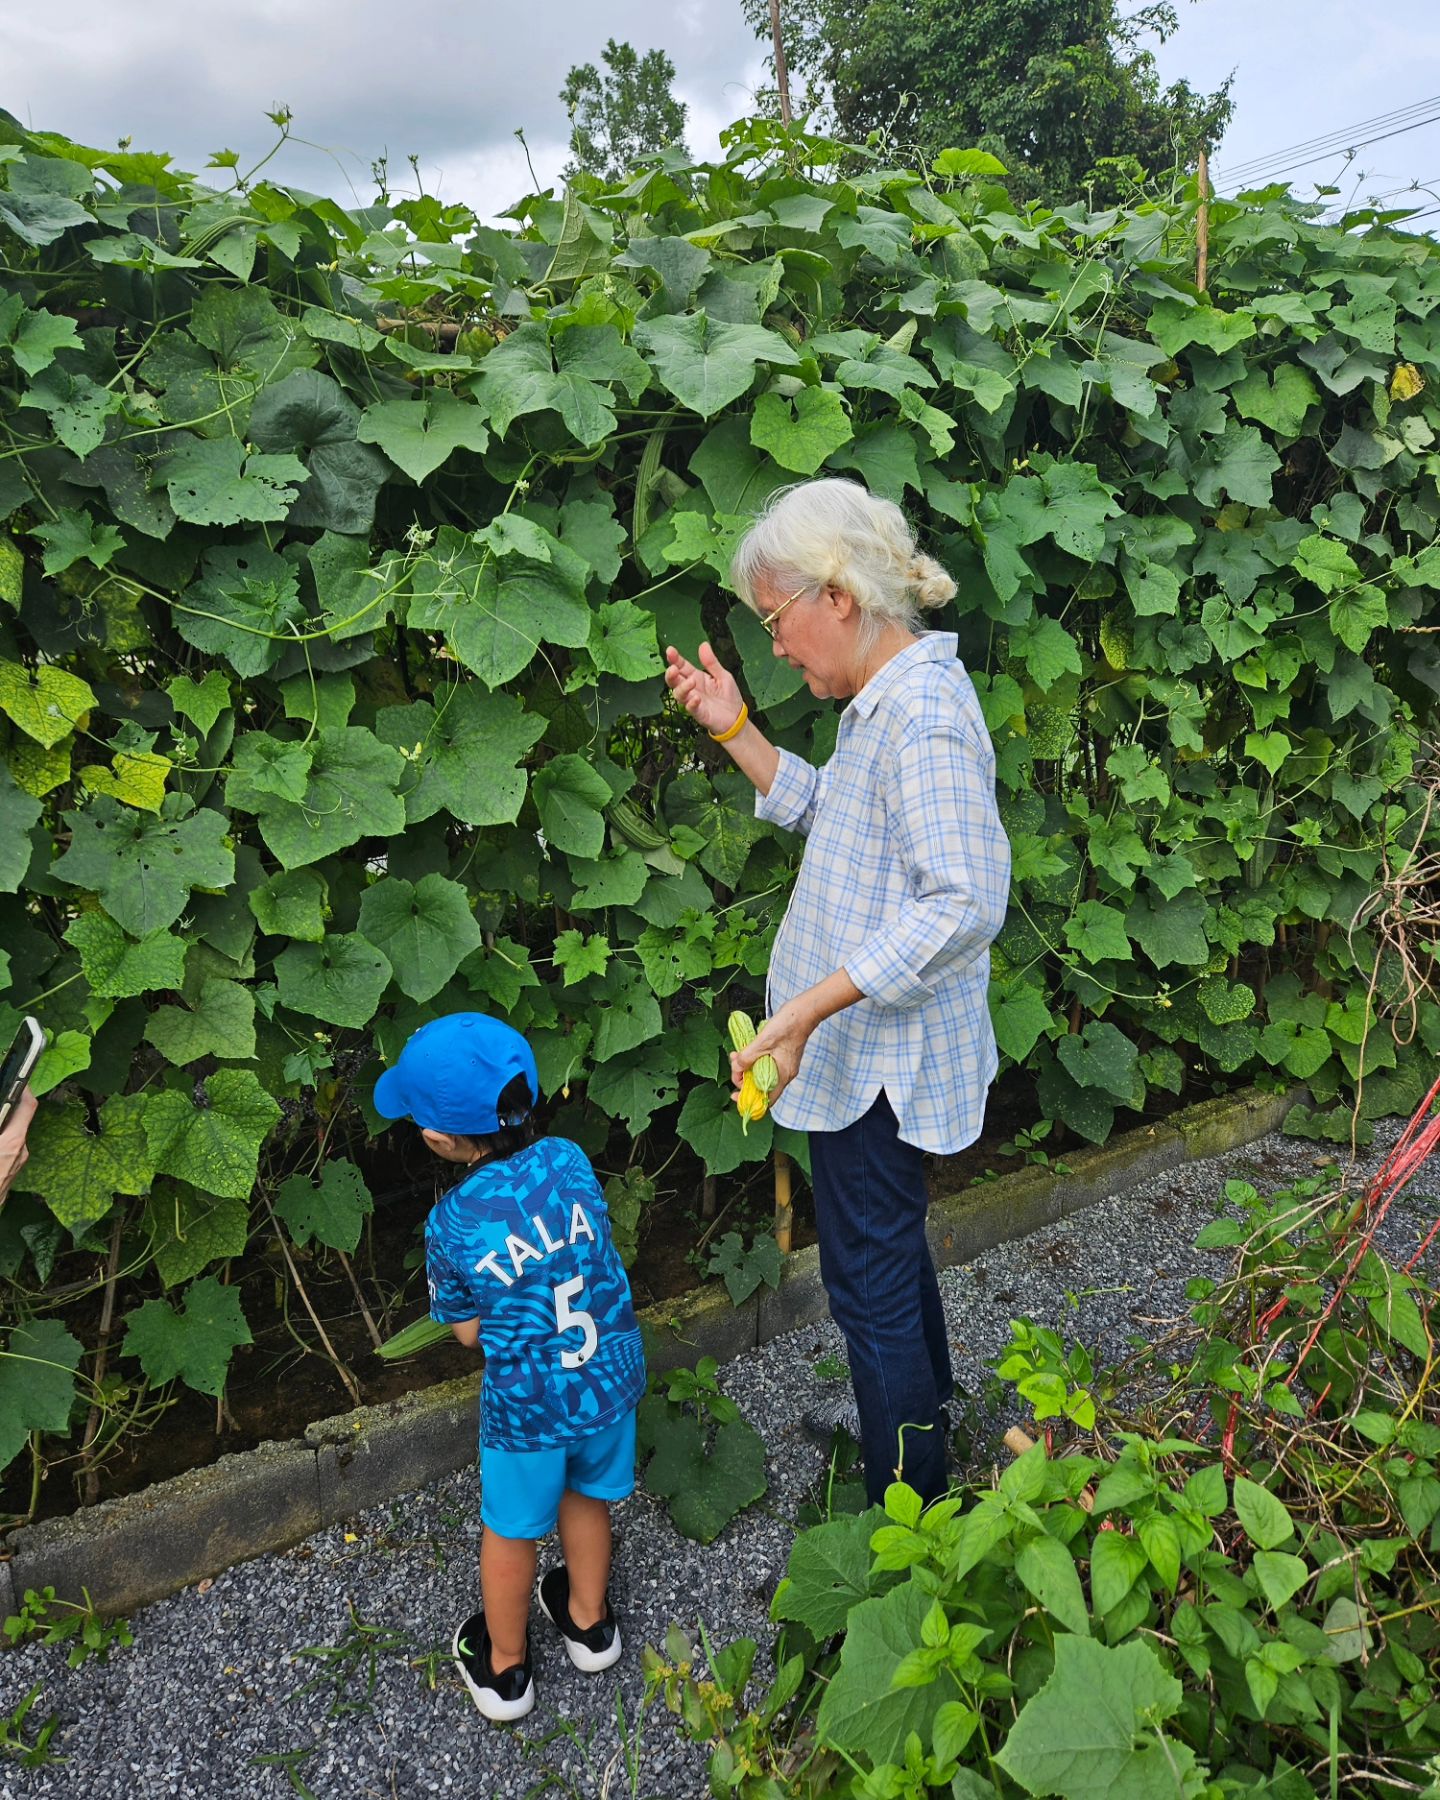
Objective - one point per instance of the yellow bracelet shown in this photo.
(724, 737)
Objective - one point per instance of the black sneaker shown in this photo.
(591, 1649)
(503, 1697)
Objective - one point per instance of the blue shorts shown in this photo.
(520, 1489)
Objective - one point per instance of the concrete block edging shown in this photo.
(137, 1549)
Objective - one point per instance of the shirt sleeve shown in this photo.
(790, 804)
(452, 1298)
(944, 824)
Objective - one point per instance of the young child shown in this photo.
(520, 1260)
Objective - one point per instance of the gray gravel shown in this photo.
(213, 1678)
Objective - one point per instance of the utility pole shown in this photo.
(782, 78)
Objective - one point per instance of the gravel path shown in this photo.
(213, 1680)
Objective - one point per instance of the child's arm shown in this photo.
(467, 1330)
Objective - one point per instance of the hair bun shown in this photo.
(931, 585)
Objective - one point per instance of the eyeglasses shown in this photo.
(768, 619)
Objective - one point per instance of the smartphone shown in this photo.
(20, 1060)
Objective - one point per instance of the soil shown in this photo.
(284, 1380)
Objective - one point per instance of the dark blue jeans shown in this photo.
(870, 1203)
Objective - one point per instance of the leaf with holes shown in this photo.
(213, 482)
(142, 867)
(331, 1211)
(46, 703)
(214, 1145)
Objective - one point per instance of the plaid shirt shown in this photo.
(904, 884)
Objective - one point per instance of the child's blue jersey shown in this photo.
(525, 1246)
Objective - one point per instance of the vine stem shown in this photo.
(348, 1267)
(352, 1386)
(102, 1353)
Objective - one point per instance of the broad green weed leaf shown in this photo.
(828, 1575)
(860, 1710)
(1047, 1569)
(1089, 1732)
(195, 1343)
(1265, 1521)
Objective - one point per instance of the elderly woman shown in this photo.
(877, 992)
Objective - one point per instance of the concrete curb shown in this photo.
(132, 1551)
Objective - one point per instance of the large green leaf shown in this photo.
(860, 1710)
(464, 754)
(78, 1172)
(219, 1022)
(117, 967)
(339, 980)
(215, 1144)
(1092, 1731)
(141, 867)
(496, 611)
(195, 1343)
(828, 1574)
(310, 414)
(18, 812)
(213, 482)
(37, 1382)
(350, 792)
(707, 365)
(706, 1485)
(419, 435)
(46, 703)
(424, 932)
(802, 433)
(570, 797)
(190, 1230)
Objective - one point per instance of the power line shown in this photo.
(1321, 156)
(1342, 139)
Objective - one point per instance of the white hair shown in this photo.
(836, 533)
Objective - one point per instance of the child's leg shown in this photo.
(507, 1575)
(585, 1541)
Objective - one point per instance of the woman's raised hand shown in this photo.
(710, 694)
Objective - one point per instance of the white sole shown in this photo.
(589, 1662)
(487, 1701)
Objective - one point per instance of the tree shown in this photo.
(1056, 88)
(622, 115)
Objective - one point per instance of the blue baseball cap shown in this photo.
(451, 1073)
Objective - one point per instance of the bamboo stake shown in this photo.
(782, 74)
(784, 1211)
(1202, 225)
(707, 1197)
(345, 1263)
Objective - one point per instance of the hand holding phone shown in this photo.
(19, 1063)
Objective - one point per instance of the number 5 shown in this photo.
(568, 1317)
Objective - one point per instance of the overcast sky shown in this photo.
(452, 83)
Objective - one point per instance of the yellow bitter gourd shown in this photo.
(759, 1080)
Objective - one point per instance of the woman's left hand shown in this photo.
(784, 1037)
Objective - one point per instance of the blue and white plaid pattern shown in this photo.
(904, 884)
